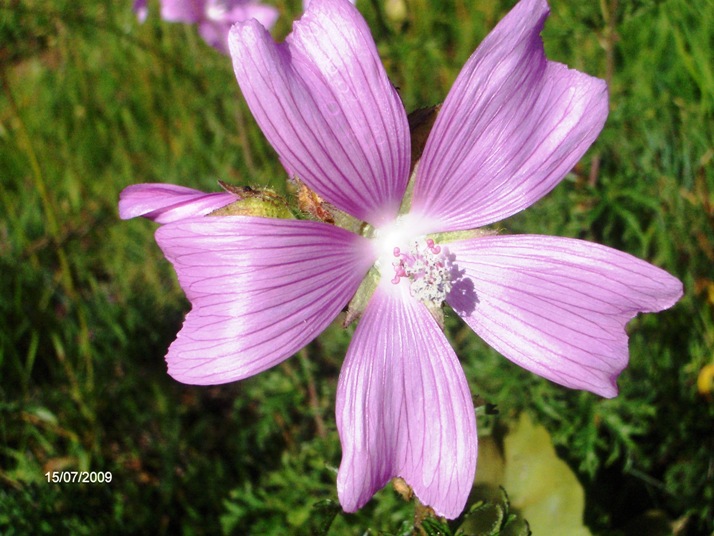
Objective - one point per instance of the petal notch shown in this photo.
(323, 100)
(404, 409)
(558, 306)
(260, 290)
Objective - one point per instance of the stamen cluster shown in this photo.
(429, 271)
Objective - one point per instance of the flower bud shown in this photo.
(262, 202)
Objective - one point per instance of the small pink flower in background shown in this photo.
(511, 128)
(141, 9)
(213, 17)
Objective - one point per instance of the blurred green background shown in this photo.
(92, 101)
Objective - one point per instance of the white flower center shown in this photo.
(404, 255)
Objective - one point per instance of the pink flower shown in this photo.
(213, 17)
(510, 129)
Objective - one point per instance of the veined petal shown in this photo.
(404, 409)
(165, 203)
(558, 306)
(260, 290)
(324, 102)
(511, 128)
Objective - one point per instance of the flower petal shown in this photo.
(220, 17)
(260, 290)
(240, 10)
(183, 10)
(404, 409)
(325, 103)
(511, 128)
(165, 203)
(558, 306)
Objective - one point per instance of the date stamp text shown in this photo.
(80, 477)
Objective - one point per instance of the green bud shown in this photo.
(262, 202)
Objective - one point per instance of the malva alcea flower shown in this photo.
(213, 17)
(510, 129)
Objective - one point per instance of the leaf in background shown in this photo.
(541, 486)
(323, 514)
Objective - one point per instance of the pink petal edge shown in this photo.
(558, 306)
(260, 290)
(166, 203)
(404, 409)
(323, 100)
(214, 31)
(512, 126)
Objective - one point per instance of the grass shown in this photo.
(91, 102)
